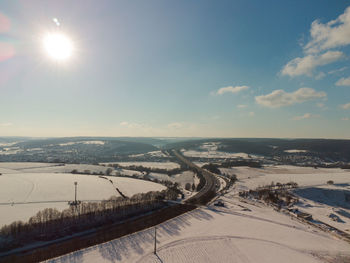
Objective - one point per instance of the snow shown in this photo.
(82, 142)
(10, 150)
(7, 144)
(68, 168)
(25, 165)
(316, 196)
(158, 165)
(129, 172)
(94, 142)
(55, 189)
(295, 151)
(210, 150)
(151, 154)
(161, 176)
(182, 178)
(239, 232)
(210, 146)
(222, 183)
(67, 143)
(215, 154)
(306, 177)
(200, 164)
(129, 186)
(325, 203)
(33, 167)
(186, 177)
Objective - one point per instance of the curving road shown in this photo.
(212, 183)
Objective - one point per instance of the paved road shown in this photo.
(212, 183)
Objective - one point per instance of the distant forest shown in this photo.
(78, 150)
(336, 150)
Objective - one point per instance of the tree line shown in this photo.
(50, 224)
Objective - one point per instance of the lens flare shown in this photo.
(58, 46)
(6, 51)
(4, 23)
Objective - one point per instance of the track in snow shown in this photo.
(227, 248)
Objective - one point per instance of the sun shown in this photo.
(58, 46)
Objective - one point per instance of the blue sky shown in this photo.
(177, 68)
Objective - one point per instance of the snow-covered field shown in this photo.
(316, 196)
(210, 154)
(239, 232)
(158, 165)
(186, 177)
(129, 186)
(10, 150)
(29, 167)
(159, 154)
(82, 142)
(329, 204)
(200, 164)
(35, 189)
(210, 146)
(304, 176)
(211, 150)
(128, 172)
(295, 151)
(182, 178)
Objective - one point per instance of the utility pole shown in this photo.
(155, 240)
(75, 203)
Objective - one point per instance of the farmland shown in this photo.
(27, 188)
(241, 231)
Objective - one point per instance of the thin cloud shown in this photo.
(231, 89)
(320, 75)
(343, 82)
(322, 106)
(345, 119)
(6, 124)
(124, 123)
(280, 98)
(242, 106)
(306, 65)
(303, 117)
(133, 125)
(175, 125)
(345, 106)
(337, 70)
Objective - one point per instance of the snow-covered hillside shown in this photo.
(157, 165)
(24, 192)
(239, 232)
(32, 167)
(324, 201)
(214, 154)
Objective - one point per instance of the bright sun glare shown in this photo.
(58, 46)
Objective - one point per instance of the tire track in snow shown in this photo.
(237, 252)
(31, 189)
(254, 217)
